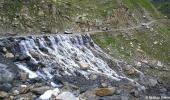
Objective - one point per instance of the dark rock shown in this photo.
(44, 50)
(32, 66)
(5, 87)
(40, 90)
(22, 57)
(2, 44)
(5, 74)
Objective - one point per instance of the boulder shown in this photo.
(3, 94)
(105, 91)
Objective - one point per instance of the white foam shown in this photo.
(30, 73)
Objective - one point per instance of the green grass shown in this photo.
(115, 44)
(140, 4)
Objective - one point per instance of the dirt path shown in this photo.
(91, 32)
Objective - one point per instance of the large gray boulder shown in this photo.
(5, 74)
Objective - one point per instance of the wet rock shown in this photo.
(163, 90)
(83, 65)
(3, 50)
(5, 87)
(9, 55)
(23, 76)
(23, 89)
(21, 57)
(2, 44)
(93, 77)
(3, 94)
(134, 93)
(5, 74)
(67, 96)
(40, 90)
(15, 92)
(104, 84)
(130, 70)
(105, 91)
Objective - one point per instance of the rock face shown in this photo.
(5, 74)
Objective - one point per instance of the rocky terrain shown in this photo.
(110, 50)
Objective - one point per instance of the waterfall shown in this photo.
(74, 58)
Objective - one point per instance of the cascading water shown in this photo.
(72, 58)
(69, 53)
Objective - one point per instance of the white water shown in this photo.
(64, 52)
(30, 73)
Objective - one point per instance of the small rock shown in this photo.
(104, 84)
(134, 93)
(105, 91)
(93, 77)
(153, 82)
(139, 64)
(131, 71)
(159, 64)
(9, 55)
(66, 96)
(40, 90)
(83, 66)
(3, 94)
(4, 50)
(23, 76)
(15, 92)
(11, 97)
(23, 89)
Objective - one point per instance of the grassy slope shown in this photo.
(125, 47)
(34, 15)
(140, 4)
